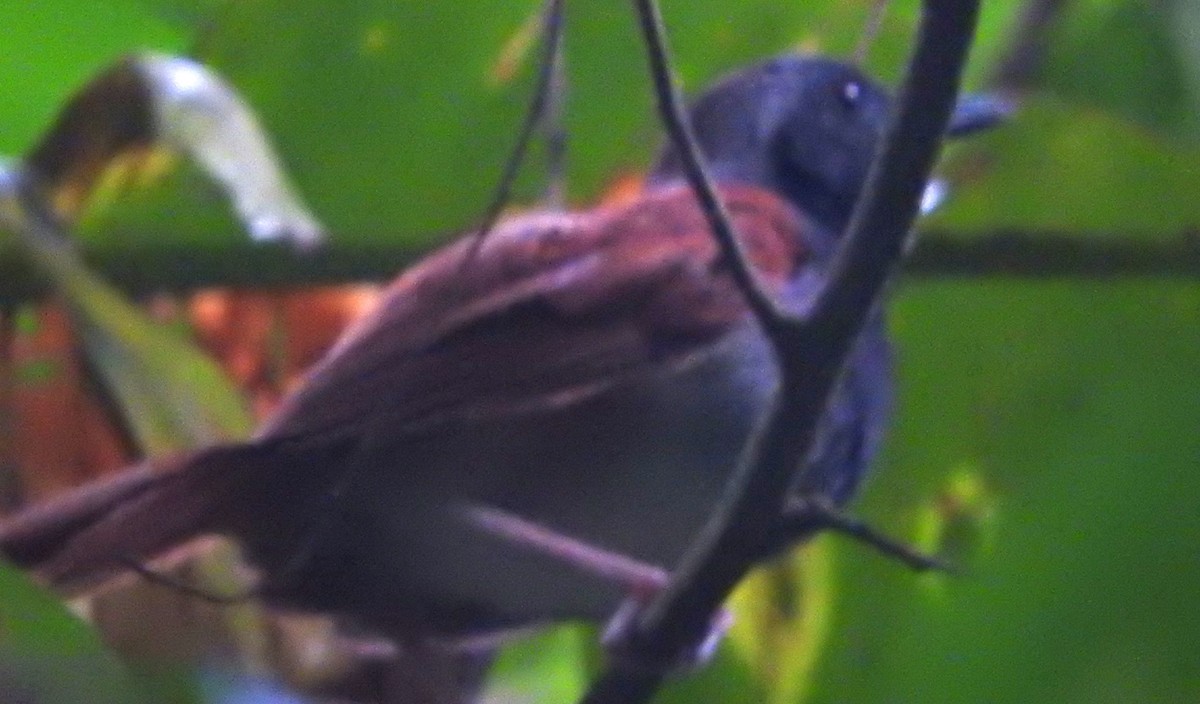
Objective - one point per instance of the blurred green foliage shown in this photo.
(1046, 433)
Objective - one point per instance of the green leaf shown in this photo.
(1062, 168)
(53, 48)
(1133, 59)
(782, 615)
(1074, 408)
(729, 679)
(551, 665)
(48, 655)
(395, 118)
(171, 395)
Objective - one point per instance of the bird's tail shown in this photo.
(99, 529)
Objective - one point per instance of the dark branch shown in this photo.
(543, 90)
(1032, 255)
(184, 587)
(811, 348)
(874, 243)
(679, 132)
(1021, 64)
(803, 517)
(10, 480)
(1018, 254)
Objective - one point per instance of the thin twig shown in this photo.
(552, 25)
(184, 587)
(679, 131)
(10, 482)
(811, 363)
(870, 30)
(803, 517)
(1021, 63)
(554, 129)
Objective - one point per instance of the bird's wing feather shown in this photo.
(552, 308)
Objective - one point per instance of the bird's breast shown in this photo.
(636, 469)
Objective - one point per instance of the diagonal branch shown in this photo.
(544, 103)
(679, 131)
(874, 243)
(553, 119)
(811, 348)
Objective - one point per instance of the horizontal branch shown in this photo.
(1041, 254)
(1001, 253)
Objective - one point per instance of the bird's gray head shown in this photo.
(805, 127)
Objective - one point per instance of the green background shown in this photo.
(1047, 429)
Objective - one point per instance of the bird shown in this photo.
(590, 375)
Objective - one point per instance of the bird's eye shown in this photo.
(850, 93)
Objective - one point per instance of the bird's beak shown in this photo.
(974, 113)
(978, 112)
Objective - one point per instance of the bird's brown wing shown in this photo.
(551, 309)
